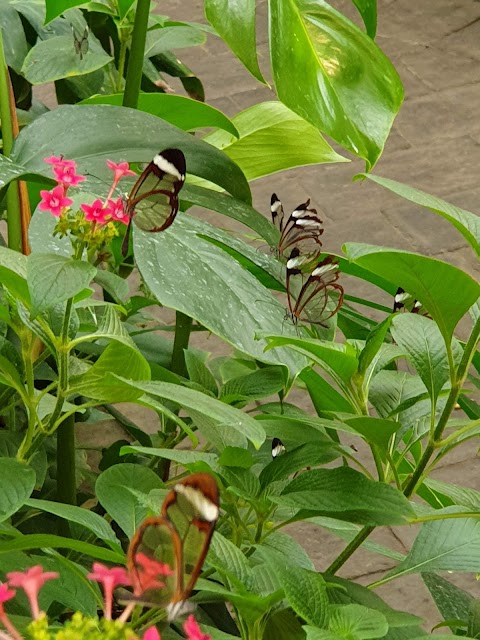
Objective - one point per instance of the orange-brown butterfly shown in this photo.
(180, 538)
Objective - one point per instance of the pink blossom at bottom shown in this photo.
(193, 631)
(54, 201)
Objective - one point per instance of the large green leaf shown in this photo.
(13, 273)
(346, 494)
(235, 23)
(189, 274)
(324, 396)
(167, 38)
(428, 280)
(57, 7)
(185, 113)
(36, 541)
(17, 481)
(273, 138)
(351, 621)
(467, 223)
(100, 132)
(118, 490)
(444, 545)
(332, 74)
(452, 602)
(56, 58)
(15, 45)
(368, 10)
(191, 400)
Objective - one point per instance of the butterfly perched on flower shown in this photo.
(308, 301)
(301, 230)
(167, 552)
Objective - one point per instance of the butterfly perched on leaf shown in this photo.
(278, 448)
(167, 552)
(404, 300)
(80, 42)
(153, 201)
(301, 230)
(311, 300)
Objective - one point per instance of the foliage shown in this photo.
(79, 335)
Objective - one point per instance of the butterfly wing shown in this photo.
(278, 214)
(80, 43)
(302, 231)
(153, 201)
(278, 448)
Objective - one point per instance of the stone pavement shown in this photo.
(434, 146)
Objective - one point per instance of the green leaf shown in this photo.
(346, 494)
(98, 384)
(17, 481)
(185, 458)
(37, 541)
(331, 356)
(189, 399)
(444, 545)
(199, 373)
(368, 10)
(273, 138)
(254, 386)
(53, 279)
(289, 548)
(467, 223)
(236, 457)
(100, 132)
(185, 113)
(56, 58)
(166, 38)
(224, 556)
(57, 7)
(339, 63)
(15, 44)
(117, 489)
(10, 171)
(452, 602)
(463, 496)
(226, 299)
(373, 344)
(89, 519)
(235, 24)
(374, 430)
(354, 620)
(324, 396)
(116, 286)
(422, 341)
(430, 281)
(13, 273)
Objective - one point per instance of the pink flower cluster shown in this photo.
(99, 212)
(34, 578)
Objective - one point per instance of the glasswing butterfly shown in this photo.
(310, 305)
(301, 230)
(179, 537)
(80, 42)
(277, 447)
(404, 300)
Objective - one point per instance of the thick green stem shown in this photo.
(121, 59)
(137, 52)
(183, 328)
(349, 550)
(66, 485)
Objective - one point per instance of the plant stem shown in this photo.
(183, 329)
(137, 52)
(66, 485)
(121, 59)
(351, 547)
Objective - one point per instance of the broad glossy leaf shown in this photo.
(15, 45)
(55, 58)
(57, 7)
(17, 481)
(467, 223)
(452, 602)
(101, 132)
(429, 280)
(190, 399)
(325, 67)
(53, 279)
(235, 23)
(368, 10)
(172, 37)
(35, 541)
(13, 273)
(118, 490)
(185, 113)
(9, 171)
(444, 545)
(346, 494)
(190, 274)
(273, 138)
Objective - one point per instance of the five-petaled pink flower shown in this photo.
(65, 174)
(31, 582)
(96, 212)
(109, 578)
(58, 161)
(149, 570)
(193, 631)
(151, 634)
(54, 201)
(117, 208)
(121, 169)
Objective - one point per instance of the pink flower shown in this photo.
(151, 634)
(121, 169)
(31, 581)
(7, 594)
(146, 577)
(59, 162)
(54, 201)
(66, 175)
(193, 631)
(96, 212)
(118, 211)
(109, 578)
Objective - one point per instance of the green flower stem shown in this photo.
(349, 550)
(183, 328)
(137, 52)
(66, 483)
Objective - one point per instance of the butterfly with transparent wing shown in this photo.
(301, 230)
(80, 42)
(404, 300)
(180, 538)
(153, 201)
(310, 305)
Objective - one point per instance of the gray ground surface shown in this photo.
(434, 146)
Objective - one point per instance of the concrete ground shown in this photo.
(434, 146)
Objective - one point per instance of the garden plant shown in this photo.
(180, 533)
